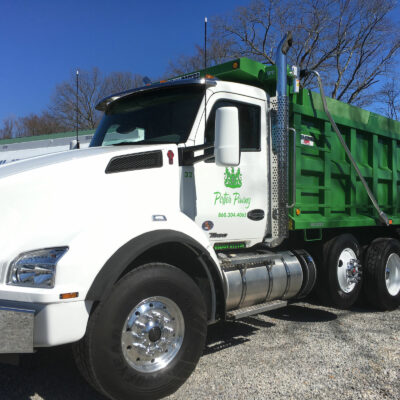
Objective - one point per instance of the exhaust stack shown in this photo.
(280, 133)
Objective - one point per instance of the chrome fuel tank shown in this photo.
(256, 278)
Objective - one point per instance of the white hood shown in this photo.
(46, 201)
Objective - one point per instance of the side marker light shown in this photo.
(66, 296)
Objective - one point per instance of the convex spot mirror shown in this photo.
(227, 149)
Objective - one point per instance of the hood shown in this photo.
(46, 201)
(70, 155)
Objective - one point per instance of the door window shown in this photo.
(249, 125)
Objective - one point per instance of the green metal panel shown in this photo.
(329, 193)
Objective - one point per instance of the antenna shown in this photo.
(77, 109)
(205, 77)
(205, 45)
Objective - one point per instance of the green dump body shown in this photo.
(329, 193)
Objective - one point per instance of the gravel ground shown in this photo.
(301, 352)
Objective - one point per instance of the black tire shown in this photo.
(99, 354)
(375, 289)
(329, 289)
(309, 273)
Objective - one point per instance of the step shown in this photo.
(256, 309)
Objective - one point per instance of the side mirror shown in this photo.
(227, 150)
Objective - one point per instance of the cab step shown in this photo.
(256, 309)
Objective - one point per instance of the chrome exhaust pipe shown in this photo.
(280, 146)
(281, 64)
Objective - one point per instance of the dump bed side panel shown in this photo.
(328, 192)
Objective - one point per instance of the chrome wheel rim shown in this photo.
(152, 334)
(392, 274)
(348, 270)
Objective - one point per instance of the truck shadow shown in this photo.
(299, 313)
(49, 374)
(227, 334)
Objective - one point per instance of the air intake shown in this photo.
(132, 162)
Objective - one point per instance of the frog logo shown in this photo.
(233, 179)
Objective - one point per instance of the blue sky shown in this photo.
(42, 41)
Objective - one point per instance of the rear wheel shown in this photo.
(144, 341)
(382, 274)
(339, 281)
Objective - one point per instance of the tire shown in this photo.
(382, 287)
(309, 273)
(339, 278)
(155, 308)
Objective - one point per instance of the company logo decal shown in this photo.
(207, 225)
(233, 179)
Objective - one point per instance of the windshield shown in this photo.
(156, 116)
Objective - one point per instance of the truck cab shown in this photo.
(229, 203)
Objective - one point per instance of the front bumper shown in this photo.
(24, 326)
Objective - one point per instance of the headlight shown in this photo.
(36, 268)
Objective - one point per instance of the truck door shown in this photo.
(232, 202)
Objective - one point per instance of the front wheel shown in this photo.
(144, 341)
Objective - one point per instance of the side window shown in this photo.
(249, 124)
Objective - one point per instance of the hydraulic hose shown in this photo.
(382, 216)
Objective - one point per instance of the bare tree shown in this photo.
(31, 125)
(93, 86)
(389, 97)
(352, 43)
(38, 124)
(217, 52)
(9, 128)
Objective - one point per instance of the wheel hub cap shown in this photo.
(155, 334)
(348, 270)
(152, 334)
(392, 274)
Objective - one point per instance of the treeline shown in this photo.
(60, 115)
(353, 44)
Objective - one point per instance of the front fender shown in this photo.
(99, 256)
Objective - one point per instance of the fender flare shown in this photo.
(130, 251)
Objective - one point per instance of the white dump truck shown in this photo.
(196, 202)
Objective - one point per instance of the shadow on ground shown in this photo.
(49, 373)
(227, 334)
(297, 313)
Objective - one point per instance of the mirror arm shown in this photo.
(187, 157)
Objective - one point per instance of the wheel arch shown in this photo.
(171, 247)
